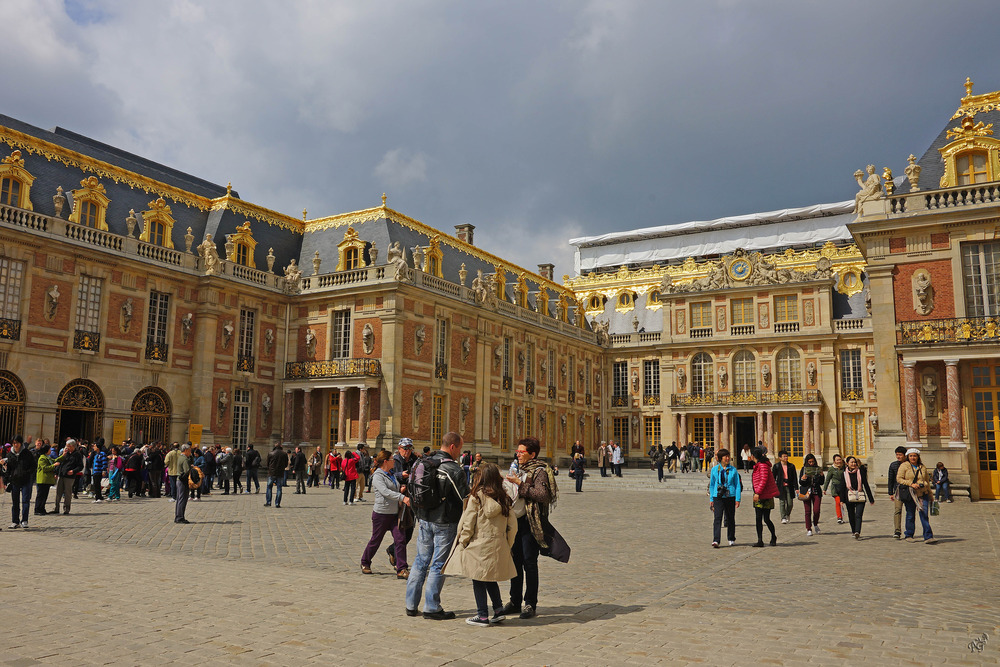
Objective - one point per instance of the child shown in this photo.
(486, 533)
(115, 465)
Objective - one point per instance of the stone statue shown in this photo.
(868, 301)
(368, 338)
(59, 201)
(462, 275)
(541, 420)
(51, 302)
(811, 374)
(187, 326)
(396, 257)
(269, 340)
(765, 372)
(418, 404)
(912, 172)
(497, 357)
(466, 349)
(230, 247)
(310, 343)
(270, 260)
(188, 240)
(520, 362)
(293, 277)
(419, 336)
(126, 317)
(130, 224)
(209, 256)
(601, 331)
(418, 258)
(723, 377)
(582, 377)
(873, 420)
(597, 379)
(223, 403)
(542, 370)
(265, 406)
(871, 187)
(871, 372)
(479, 288)
(923, 292)
(581, 422)
(373, 253)
(463, 412)
(227, 334)
(316, 262)
(496, 417)
(681, 378)
(928, 391)
(635, 322)
(635, 381)
(562, 371)
(562, 422)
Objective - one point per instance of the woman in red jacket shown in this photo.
(765, 490)
(350, 470)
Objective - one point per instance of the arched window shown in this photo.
(11, 406)
(352, 258)
(88, 214)
(10, 191)
(789, 370)
(15, 182)
(90, 204)
(972, 167)
(243, 245)
(702, 380)
(150, 416)
(744, 372)
(158, 224)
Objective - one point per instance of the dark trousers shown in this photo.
(95, 484)
(349, 485)
(133, 482)
(382, 524)
(172, 486)
(812, 510)
(659, 472)
(300, 481)
(237, 483)
(579, 481)
(525, 553)
(225, 486)
(763, 516)
(252, 475)
(480, 589)
(155, 482)
(20, 502)
(181, 493)
(855, 514)
(724, 507)
(618, 469)
(41, 498)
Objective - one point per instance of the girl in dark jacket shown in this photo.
(576, 471)
(811, 492)
(350, 469)
(856, 481)
(765, 490)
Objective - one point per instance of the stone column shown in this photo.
(715, 431)
(911, 420)
(307, 413)
(725, 430)
(807, 445)
(362, 415)
(682, 436)
(817, 438)
(342, 419)
(954, 404)
(760, 427)
(286, 422)
(770, 433)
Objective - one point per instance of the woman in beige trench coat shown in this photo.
(486, 533)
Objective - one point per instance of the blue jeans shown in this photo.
(433, 546)
(941, 491)
(920, 507)
(275, 482)
(20, 501)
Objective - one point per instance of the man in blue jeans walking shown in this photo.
(438, 527)
(277, 461)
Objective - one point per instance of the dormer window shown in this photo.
(90, 204)
(972, 167)
(15, 182)
(972, 156)
(158, 224)
(352, 259)
(350, 251)
(243, 246)
(10, 191)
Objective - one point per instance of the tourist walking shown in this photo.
(69, 468)
(835, 484)
(182, 486)
(659, 459)
(486, 533)
(299, 464)
(350, 472)
(98, 469)
(617, 458)
(116, 466)
(388, 499)
(133, 473)
(941, 483)
(765, 490)
(45, 477)
(914, 485)
(856, 492)
(315, 464)
(224, 467)
(602, 458)
(725, 490)
(252, 462)
(576, 471)
(811, 492)
(277, 461)
(788, 484)
(894, 496)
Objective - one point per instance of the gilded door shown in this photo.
(986, 401)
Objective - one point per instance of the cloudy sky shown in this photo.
(535, 121)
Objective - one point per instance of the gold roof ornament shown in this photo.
(969, 129)
(15, 159)
(968, 87)
(973, 104)
(383, 199)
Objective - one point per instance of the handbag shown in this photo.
(805, 495)
(935, 508)
(855, 496)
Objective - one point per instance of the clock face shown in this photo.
(740, 269)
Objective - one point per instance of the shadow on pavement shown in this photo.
(583, 613)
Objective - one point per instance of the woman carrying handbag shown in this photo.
(811, 492)
(856, 481)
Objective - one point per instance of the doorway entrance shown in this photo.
(744, 432)
(986, 399)
(80, 408)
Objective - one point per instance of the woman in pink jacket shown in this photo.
(765, 490)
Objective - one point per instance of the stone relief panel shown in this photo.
(763, 315)
(808, 312)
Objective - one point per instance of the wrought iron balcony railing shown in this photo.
(650, 399)
(855, 394)
(441, 371)
(529, 387)
(10, 329)
(333, 368)
(794, 397)
(954, 330)
(572, 396)
(245, 363)
(619, 401)
(586, 399)
(87, 340)
(156, 350)
(552, 391)
(508, 383)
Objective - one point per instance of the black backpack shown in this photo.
(427, 483)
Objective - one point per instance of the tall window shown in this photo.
(247, 321)
(352, 258)
(701, 314)
(587, 375)
(88, 213)
(789, 370)
(529, 421)
(851, 387)
(619, 378)
(972, 167)
(437, 420)
(529, 362)
(572, 374)
(10, 191)
(11, 278)
(790, 434)
(744, 372)
(651, 376)
(506, 356)
(652, 431)
(552, 368)
(241, 417)
(702, 381)
(242, 254)
(981, 268)
(504, 427)
(341, 334)
(742, 311)
(786, 308)
(854, 434)
(620, 432)
(703, 431)
(441, 347)
(88, 304)
(156, 326)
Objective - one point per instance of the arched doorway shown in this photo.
(150, 416)
(11, 406)
(79, 411)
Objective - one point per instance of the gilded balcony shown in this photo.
(953, 330)
(245, 363)
(87, 340)
(746, 398)
(10, 329)
(619, 401)
(156, 350)
(333, 368)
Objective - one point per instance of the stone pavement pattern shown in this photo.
(246, 584)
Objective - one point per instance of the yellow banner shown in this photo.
(120, 431)
(194, 434)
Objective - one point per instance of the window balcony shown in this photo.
(786, 327)
(701, 332)
(10, 329)
(741, 330)
(587, 400)
(619, 401)
(650, 399)
(718, 398)
(552, 391)
(572, 396)
(852, 394)
(508, 383)
(245, 363)
(529, 387)
(87, 340)
(156, 350)
(441, 371)
(955, 330)
(333, 368)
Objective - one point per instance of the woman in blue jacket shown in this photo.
(724, 489)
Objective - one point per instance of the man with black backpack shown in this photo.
(364, 468)
(437, 487)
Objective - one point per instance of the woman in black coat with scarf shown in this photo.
(856, 480)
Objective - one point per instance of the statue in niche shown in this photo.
(811, 374)
(496, 417)
(265, 406)
(563, 371)
(520, 362)
(466, 349)
(519, 421)
(871, 187)
(681, 377)
(635, 381)
(581, 377)
(51, 302)
(928, 391)
(368, 338)
(463, 412)
(210, 261)
(601, 329)
(912, 172)
(923, 292)
(562, 422)
(418, 404)
(269, 340)
(126, 316)
(293, 277)
(497, 357)
(419, 336)
(765, 373)
(541, 421)
(723, 377)
(871, 372)
(227, 334)
(597, 380)
(310, 343)
(873, 420)
(542, 370)
(868, 301)
(187, 326)
(223, 403)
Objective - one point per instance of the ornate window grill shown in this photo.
(619, 401)
(791, 397)
(586, 399)
(349, 367)
(650, 399)
(508, 382)
(86, 340)
(552, 391)
(10, 329)
(529, 387)
(156, 351)
(441, 370)
(245, 363)
(572, 396)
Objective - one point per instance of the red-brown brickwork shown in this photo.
(359, 343)
(321, 345)
(410, 337)
(456, 351)
(136, 328)
(423, 429)
(942, 240)
(944, 292)
(221, 429)
(897, 244)
(263, 428)
(178, 339)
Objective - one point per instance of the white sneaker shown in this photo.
(809, 533)
(732, 543)
(816, 529)
(14, 525)
(784, 521)
(24, 524)
(98, 501)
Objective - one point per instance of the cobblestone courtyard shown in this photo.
(245, 584)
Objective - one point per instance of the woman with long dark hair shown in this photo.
(350, 470)
(765, 490)
(811, 492)
(856, 483)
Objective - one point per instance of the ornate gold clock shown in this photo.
(740, 269)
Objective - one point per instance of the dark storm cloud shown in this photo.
(534, 121)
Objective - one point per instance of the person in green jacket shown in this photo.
(45, 477)
(835, 478)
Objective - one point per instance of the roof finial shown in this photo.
(383, 199)
(968, 87)
(304, 213)
(229, 188)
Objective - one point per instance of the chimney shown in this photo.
(464, 232)
(545, 270)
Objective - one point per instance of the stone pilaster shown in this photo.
(306, 416)
(954, 404)
(286, 420)
(363, 416)
(911, 419)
